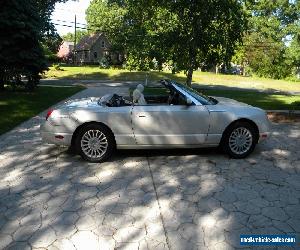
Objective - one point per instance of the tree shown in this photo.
(20, 36)
(52, 42)
(185, 32)
(24, 26)
(293, 55)
(208, 32)
(50, 39)
(108, 17)
(45, 9)
(271, 23)
(70, 37)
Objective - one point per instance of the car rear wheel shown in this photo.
(95, 143)
(240, 140)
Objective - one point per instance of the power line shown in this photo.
(72, 26)
(63, 21)
(61, 9)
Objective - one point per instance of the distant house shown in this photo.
(65, 51)
(92, 48)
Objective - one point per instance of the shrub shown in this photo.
(57, 67)
(104, 63)
(138, 63)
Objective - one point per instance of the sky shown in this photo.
(64, 14)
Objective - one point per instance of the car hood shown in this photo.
(230, 102)
(230, 105)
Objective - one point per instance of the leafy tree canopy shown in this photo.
(52, 42)
(20, 35)
(70, 37)
(185, 32)
(271, 24)
(24, 25)
(108, 17)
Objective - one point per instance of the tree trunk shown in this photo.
(217, 68)
(189, 76)
(244, 69)
(191, 67)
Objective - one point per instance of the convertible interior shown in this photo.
(154, 95)
(171, 97)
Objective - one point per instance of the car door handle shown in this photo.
(142, 116)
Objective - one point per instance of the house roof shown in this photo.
(88, 41)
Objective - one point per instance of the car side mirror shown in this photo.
(188, 101)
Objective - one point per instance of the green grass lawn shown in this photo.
(16, 107)
(262, 100)
(95, 73)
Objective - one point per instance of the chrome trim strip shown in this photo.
(217, 111)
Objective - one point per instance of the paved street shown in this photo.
(244, 86)
(162, 199)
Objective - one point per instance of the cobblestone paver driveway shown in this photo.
(178, 199)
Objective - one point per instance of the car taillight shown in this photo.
(49, 113)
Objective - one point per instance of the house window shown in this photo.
(85, 54)
(95, 55)
(103, 44)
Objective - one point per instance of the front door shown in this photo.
(170, 124)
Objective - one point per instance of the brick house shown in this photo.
(65, 51)
(91, 48)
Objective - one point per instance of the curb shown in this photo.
(284, 116)
(284, 112)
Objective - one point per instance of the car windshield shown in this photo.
(203, 99)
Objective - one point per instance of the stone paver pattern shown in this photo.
(162, 199)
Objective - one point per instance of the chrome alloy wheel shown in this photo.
(94, 143)
(240, 140)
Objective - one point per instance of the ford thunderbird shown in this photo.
(177, 117)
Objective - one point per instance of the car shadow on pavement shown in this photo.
(146, 199)
(168, 152)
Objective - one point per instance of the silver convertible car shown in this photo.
(177, 117)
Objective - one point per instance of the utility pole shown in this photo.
(75, 38)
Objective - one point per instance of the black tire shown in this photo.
(228, 138)
(83, 147)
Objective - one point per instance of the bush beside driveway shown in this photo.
(173, 199)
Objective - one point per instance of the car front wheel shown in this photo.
(240, 140)
(95, 143)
